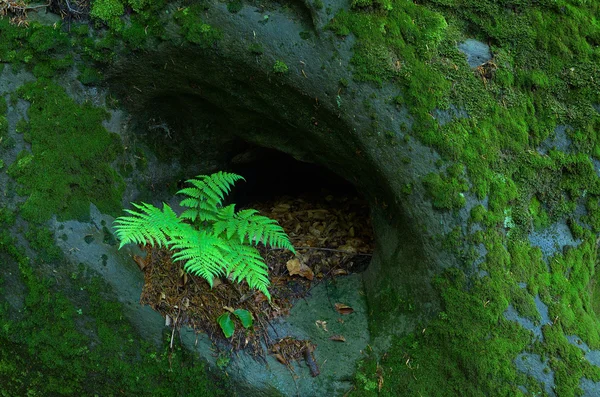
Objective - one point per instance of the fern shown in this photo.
(218, 241)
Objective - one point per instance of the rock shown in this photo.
(477, 52)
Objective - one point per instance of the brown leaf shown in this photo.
(281, 207)
(140, 261)
(260, 297)
(343, 309)
(338, 338)
(295, 267)
(280, 358)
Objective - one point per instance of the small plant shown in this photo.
(210, 239)
(226, 322)
(280, 67)
(223, 361)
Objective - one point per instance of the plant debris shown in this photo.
(333, 237)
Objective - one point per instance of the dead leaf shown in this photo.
(314, 231)
(140, 261)
(321, 324)
(338, 338)
(347, 249)
(260, 297)
(229, 309)
(343, 309)
(280, 358)
(281, 208)
(295, 267)
(339, 272)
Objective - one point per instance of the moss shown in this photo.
(69, 163)
(194, 29)
(109, 12)
(280, 67)
(447, 191)
(540, 217)
(234, 6)
(90, 76)
(3, 106)
(41, 49)
(58, 348)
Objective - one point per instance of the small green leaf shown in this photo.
(226, 324)
(245, 317)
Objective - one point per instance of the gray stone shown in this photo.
(477, 52)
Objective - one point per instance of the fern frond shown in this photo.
(246, 263)
(253, 228)
(148, 225)
(204, 254)
(207, 194)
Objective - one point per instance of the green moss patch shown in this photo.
(447, 191)
(69, 163)
(42, 49)
(54, 347)
(194, 29)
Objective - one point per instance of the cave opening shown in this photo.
(324, 210)
(270, 173)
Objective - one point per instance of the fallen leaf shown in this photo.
(280, 358)
(339, 272)
(281, 208)
(295, 267)
(347, 248)
(140, 261)
(343, 309)
(338, 338)
(260, 297)
(321, 324)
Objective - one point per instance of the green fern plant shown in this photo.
(211, 240)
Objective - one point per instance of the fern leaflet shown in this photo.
(149, 225)
(219, 243)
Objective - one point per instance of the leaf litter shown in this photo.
(333, 238)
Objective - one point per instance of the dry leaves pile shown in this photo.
(333, 237)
